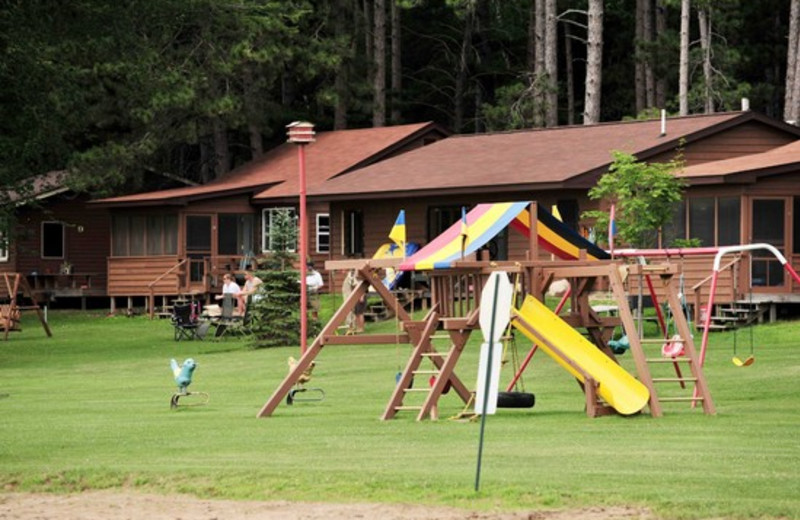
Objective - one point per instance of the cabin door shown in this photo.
(198, 249)
(770, 225)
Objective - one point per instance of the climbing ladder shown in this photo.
(645, 355)
(422, 334)
(16, 284)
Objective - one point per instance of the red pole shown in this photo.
(301, 158)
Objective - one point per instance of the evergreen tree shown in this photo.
(276, 314)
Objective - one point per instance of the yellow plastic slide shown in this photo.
(616, 386)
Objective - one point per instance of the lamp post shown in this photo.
(301, 133)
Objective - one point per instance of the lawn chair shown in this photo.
(230, 324)
(185, 322)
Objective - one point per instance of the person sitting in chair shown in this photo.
(229, 286)
(251, 283)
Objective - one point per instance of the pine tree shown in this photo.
(276, 314)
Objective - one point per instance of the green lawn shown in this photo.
(89, 408)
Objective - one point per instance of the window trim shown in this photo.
(4, 247)
(319, 232)
(264, 238)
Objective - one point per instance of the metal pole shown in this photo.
(486, 386)
(301, 157)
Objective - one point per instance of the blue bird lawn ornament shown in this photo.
(183, 378)
(183, 373)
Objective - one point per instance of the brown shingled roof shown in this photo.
(519, 160)
(275, 174)
(769, 162)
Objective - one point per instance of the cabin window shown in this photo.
(570, 213)
(280, 229)
(440, 218)
(235, 236)
(152, 235)
(323, 232)
(353, 236)
(52, 240)
(796, 225)
(715, 221)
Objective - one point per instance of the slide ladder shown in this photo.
(677, 350)
(424, 385)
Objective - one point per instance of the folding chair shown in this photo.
(185, 324)
(230, 324)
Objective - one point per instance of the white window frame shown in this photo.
(266, 218)
(323, 231)
(63, 240)
(4, 247)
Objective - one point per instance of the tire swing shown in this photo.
(514, 398)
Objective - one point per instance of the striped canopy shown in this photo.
(486, 221)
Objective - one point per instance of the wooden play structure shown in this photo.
(16, 287)
(441, 336)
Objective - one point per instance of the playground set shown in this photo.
(16, 290)
(456, 279)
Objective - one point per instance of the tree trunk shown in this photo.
(789, 104)
(530, 60)
(379, 79)
(221, 155)
(705, 44)
(340, 84)
(683, 76)
(551, 63)
(660, 30)
(569, 73)
(795, 108)
(539, 67)
(649, 75)
(254, 108)
(397, 65)
(638, 52)
(594, 63)
(463, 71)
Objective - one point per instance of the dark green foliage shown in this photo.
(645, 195)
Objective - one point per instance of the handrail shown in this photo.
(697, 288)
(152, 297)
(168, 271)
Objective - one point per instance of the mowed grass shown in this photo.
(89, 409)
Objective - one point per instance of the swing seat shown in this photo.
(515, 400)
(743, 363)
(308, 395)
(673, 347)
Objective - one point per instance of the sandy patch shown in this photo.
(97, 505)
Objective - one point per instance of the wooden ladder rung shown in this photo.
(401, 408)
(674, 379)
(661, 341)
(434, 354)
(669, 360)
(416, 389)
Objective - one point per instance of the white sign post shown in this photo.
(494, 315)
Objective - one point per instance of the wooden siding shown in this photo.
(86, 246)
(131, 276)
